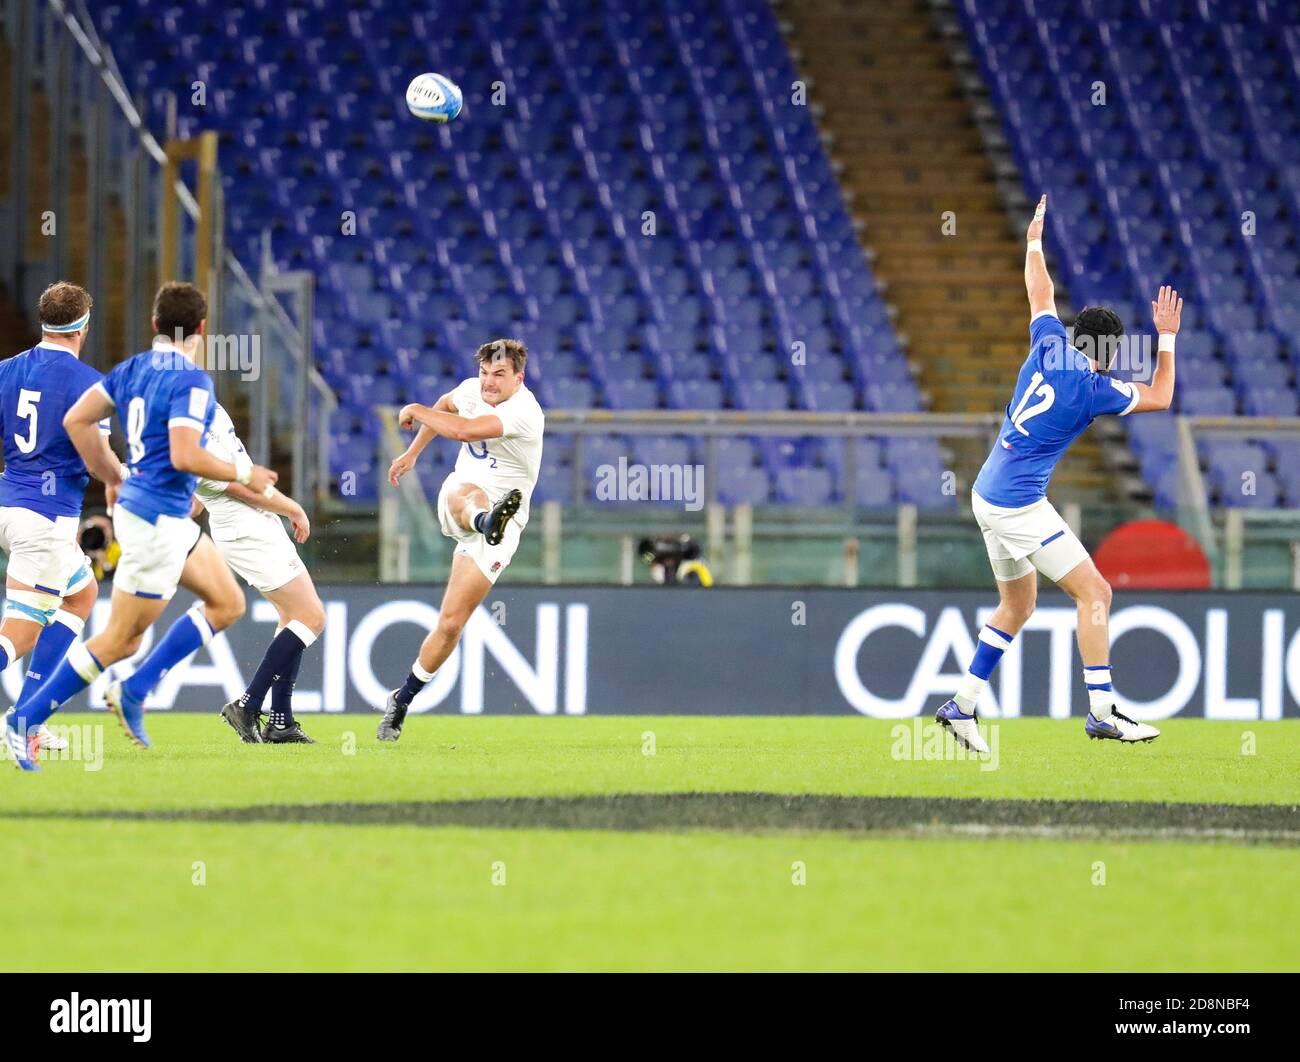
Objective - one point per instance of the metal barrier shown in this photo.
(142, 223)
(1228, 535)
(843, 544)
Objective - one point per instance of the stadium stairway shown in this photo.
(908, 150)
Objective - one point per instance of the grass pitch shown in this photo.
(657, 843)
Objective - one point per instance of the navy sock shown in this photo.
(285, 650)
(481, 522)
(413, 685)
(282, 694)
(51, 647)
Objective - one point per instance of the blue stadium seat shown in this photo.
(1213, 89)
(527, 219)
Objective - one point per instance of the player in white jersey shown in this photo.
(483, 504)
(249, 534)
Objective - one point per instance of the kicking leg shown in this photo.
(471, 510)
(1092, 596)
(466, 589)
(1018, 597)
(302, 619)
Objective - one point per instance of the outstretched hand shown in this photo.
(1167, 311)
(1036, 226)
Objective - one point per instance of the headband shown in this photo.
(71, 326)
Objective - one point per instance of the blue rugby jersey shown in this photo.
(43, 471)
(1057, 396)
(153, 392)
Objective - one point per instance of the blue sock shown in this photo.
(6, 654)
(77, 671)
(481, 522)
(183, 637)
(992, 644)
(51, 647)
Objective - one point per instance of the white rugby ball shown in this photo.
(434, 98)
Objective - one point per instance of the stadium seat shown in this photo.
(1212, 88)
(527, 220)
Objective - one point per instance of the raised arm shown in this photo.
(403, 463)
(452, 425)
(1038, 282)
(1167, 313)
(81, 422)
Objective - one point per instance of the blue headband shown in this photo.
(71, 326)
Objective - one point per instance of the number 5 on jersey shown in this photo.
(27, 408)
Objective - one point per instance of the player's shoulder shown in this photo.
(131, 365)
(13, 363)
(85, 375)
(530, 399)
(221, 420)
(523, 403)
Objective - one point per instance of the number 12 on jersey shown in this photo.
(1046, 394)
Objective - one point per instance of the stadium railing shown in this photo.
(92, 195)
(1248, 547)
(841, 544)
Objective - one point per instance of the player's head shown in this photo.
(1097, 333)
(500, 368)
(179, 312)
(64, 312)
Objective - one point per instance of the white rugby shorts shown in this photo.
(1033, 536)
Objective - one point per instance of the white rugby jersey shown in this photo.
(511, 461)
(229, 517)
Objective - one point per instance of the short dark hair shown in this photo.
(1097, 331)
(62, 303)
(499, 349)
(179, 306)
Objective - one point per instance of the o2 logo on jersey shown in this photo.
(492, 461)
(1046, 395)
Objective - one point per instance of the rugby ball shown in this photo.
(434, 98)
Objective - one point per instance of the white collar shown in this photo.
(57, 346)
(178, 349)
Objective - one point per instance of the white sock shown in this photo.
(993, 643)
(1101, 692)
(968, 692)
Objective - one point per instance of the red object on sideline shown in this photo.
(1152, 555)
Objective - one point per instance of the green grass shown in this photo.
(120, 894)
